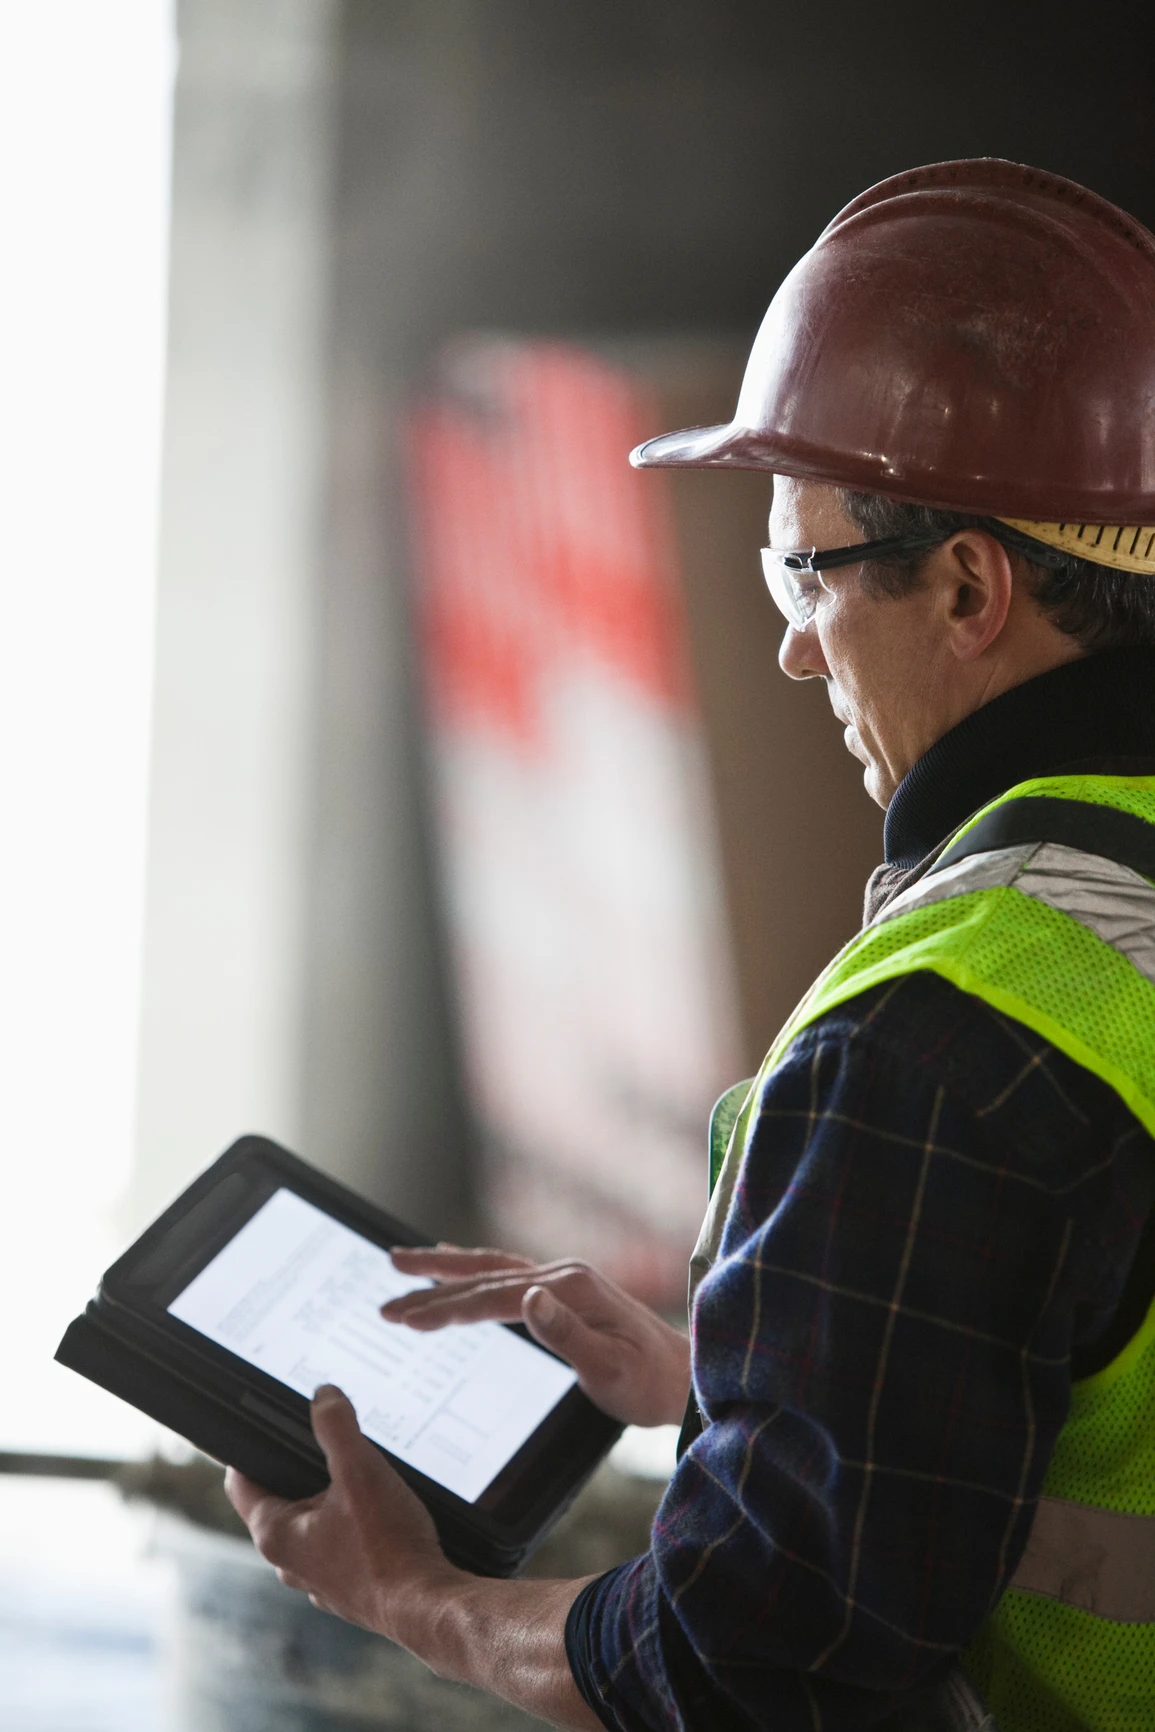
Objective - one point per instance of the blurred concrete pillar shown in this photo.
(289, 976)
(381, 1094)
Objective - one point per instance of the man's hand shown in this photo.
(348, 1546)
(367, 1550)
(630, 1363)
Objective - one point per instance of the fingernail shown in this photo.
(544, 1304)
(326, 1392)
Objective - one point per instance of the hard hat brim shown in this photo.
(727, 446)
(1129, 547)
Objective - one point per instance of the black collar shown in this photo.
(1097, 714)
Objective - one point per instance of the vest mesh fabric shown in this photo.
(1043, 1665)
(1046, 1666)
(1024, 958)
(722, 1121)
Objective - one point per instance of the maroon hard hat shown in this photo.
(973, 335)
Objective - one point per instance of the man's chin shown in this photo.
(878, 784)
(879, 791)
(874, 781)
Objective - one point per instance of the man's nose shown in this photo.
(800, 655)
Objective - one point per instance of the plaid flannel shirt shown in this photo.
(936, 1211)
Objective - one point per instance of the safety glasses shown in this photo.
(793, 576)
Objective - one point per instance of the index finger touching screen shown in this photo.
(297, 1294)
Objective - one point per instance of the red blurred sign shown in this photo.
(573, 807)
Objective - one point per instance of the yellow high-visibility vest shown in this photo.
(1062, 938)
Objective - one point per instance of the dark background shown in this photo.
(662, 163)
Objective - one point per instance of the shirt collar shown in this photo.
(1096, 713)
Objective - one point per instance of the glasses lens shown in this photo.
(795, 593)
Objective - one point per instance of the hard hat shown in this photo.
(973, 336)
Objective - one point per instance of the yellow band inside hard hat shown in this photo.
(1123, 546)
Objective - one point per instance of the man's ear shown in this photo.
(977, 581)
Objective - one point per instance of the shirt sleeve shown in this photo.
(881, 1355)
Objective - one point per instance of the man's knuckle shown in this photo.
(269, 1541)
(577, 1281)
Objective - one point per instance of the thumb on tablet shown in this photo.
(334, 1422)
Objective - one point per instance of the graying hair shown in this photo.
(1097, 606)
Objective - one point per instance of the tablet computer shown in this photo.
(262, 1281)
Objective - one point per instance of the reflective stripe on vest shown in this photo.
(1113, 902)
(1094, 1559)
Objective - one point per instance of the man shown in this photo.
(923, 1347)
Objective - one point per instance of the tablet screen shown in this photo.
(296, 1293)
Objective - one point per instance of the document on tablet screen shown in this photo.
(296, 1294)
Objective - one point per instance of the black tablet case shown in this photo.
(268, 1446)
